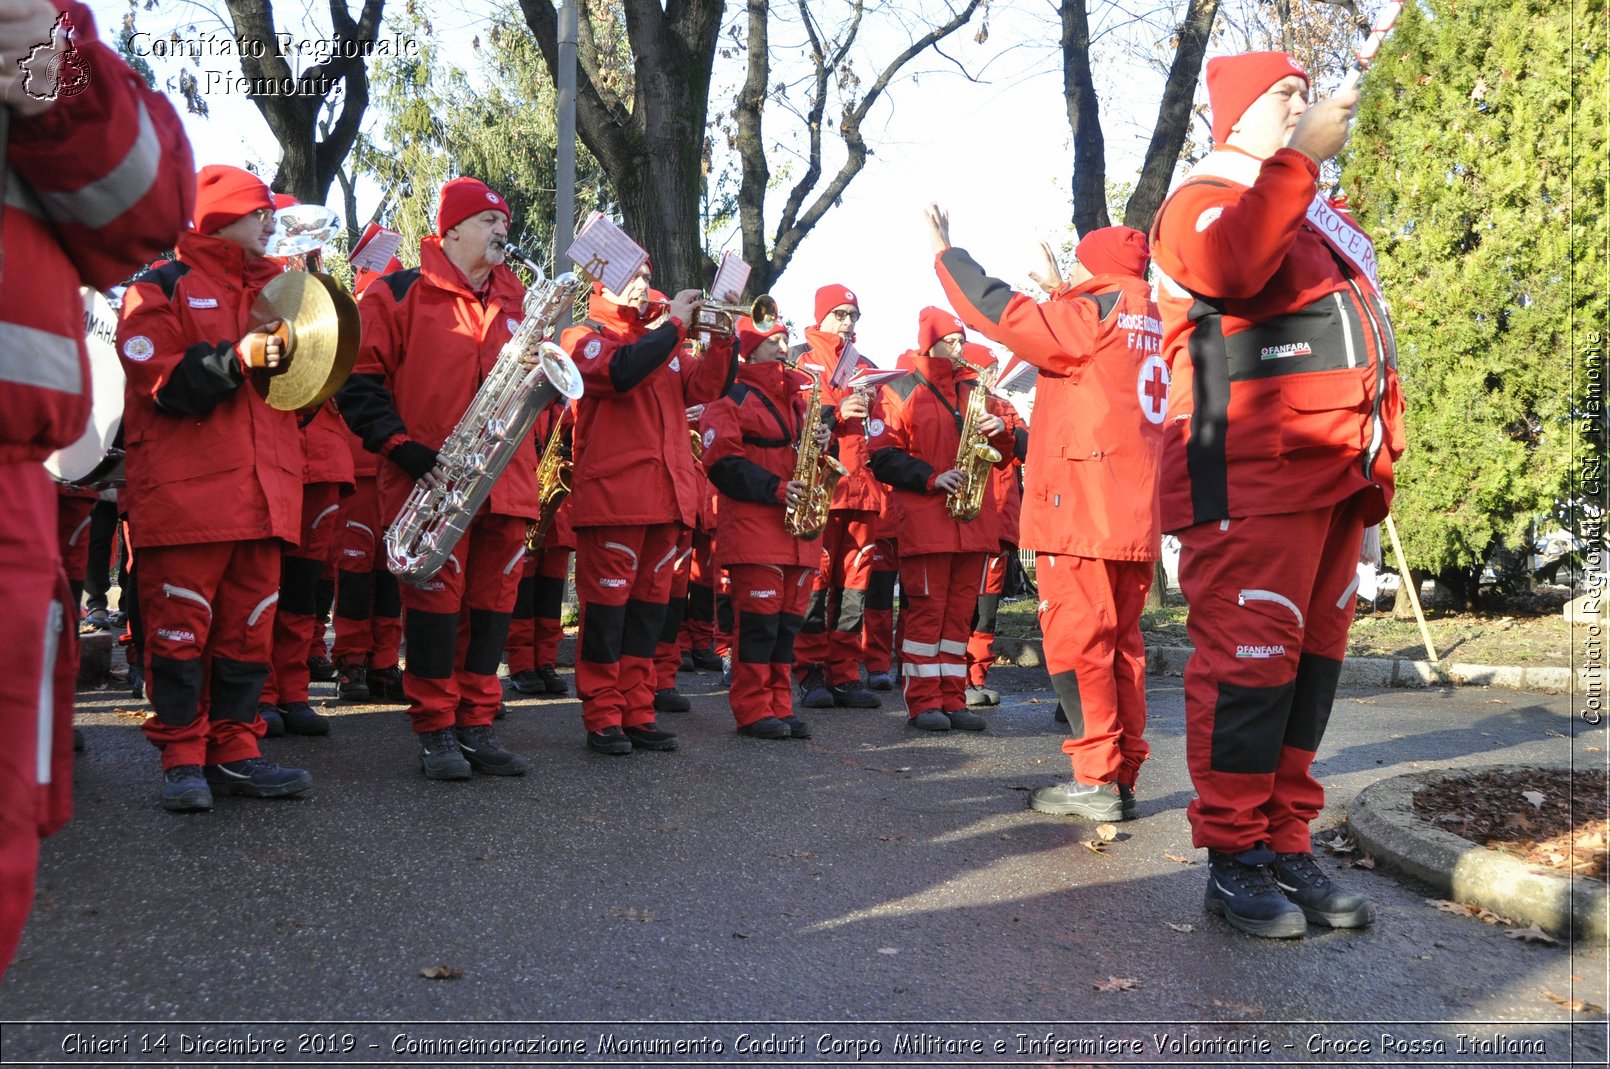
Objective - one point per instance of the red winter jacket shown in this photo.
(916, 442)
(1004, 500)
(324, 443)
(96, 187)
(751, 441)
(207, 459)
(1285, 393)
(859, 489)
(634, 460)
(428, 345)
(1090, 477)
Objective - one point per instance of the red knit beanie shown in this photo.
(225, 194)
(830, 297)
(749, 338)
(980, 356)
(464, 197)
(283, 201)
(1234, 82)
(935, 323)
(1114, 250)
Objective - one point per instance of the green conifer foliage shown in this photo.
(1477, 164)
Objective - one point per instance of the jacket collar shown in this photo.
(616, 319)
(775, 380)
(444, 274)
(937, 370)
(1106, 284)
(226, 261)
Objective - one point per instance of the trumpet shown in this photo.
(720, 320)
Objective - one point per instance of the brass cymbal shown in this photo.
(323, 320)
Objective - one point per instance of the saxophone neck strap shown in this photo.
(954, 413)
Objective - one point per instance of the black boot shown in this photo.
(1243, 891)
(1322, 902)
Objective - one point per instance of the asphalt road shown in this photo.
(874, 895)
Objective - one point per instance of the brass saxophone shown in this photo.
(974, 457)
(812, 466)
(553, 486)
(504, 410)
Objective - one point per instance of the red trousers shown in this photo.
(537, 626)
(877, 627)
(296, 615)
(72, 526)
(623, 579)
(452, 673)
(668, 651)
(1271, 600)
(768, 602)
(704, 579)
(1090, 616)
(981, 644)
(831, 636)
(39, 627)
(368, 604)
(941, 591)
(207, 614)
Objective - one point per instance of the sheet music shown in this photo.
(732, 275)
(848, 361)
(376, 249)
(603, 251)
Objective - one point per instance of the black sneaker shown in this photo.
(670, 700)
(853, 696)
(767, 727)
(272, 721)
(880, 681)
(706, 660)
(1243, 891)
(352, 683)
(649, 737)
(1322, 902)
(1074, 799)
(185, 790)
(1126, 798)
(814, 693)
(797, 728)
(552, 681)
(96, 620)
(320, 668)
(527, 682)
(485, 754)
(962, 720)
(982, 696)
(611, 740)
(931, 720)
(440, 757)
(302, 719)
(386, 685)
(686, 664)
(257, 778)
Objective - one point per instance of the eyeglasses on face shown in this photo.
(849, 317)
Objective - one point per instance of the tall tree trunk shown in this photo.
(1173, 115)
(1084, 121)
(308, 163)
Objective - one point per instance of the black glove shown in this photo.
(417, 460)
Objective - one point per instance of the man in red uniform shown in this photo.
(941, 558)
(537, 626)
(214, 492)
(830, 648)
(751, 440)
(430, 337)
(1283, 423)
(1090, 510)
(87, 231)
(636, 488)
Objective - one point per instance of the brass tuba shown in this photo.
(812, 466)
(974, 456)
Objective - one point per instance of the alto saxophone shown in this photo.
(553, 486)
(974, 457)
(812, 466)
(501, 416)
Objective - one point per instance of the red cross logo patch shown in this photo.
(1152, 389)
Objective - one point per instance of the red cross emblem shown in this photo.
(1152, 389)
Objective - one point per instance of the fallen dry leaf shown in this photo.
(1534, 934)
(1364, 701)
(1595, 749)
(1106, 832)
(1116, 983)
(1535, 797)
(1182, 927)
(1341, 844)
(1093, 846)
(441, 972)
(1364, 861)
(1575, 1005)
(1180, 859)
(130, 714)
(632, 913)
(1551, 733)
(1518, 820)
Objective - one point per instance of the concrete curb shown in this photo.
(1384, 823)
(1356, 671)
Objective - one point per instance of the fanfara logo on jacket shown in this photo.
(1152, 389)
(593, 348)
(612, 582)
(874, 428)
(763, 594)
(1260, 652)
(139, 349)
(1280, 352)
(174, 634)
(709, 436)
(203, 302)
